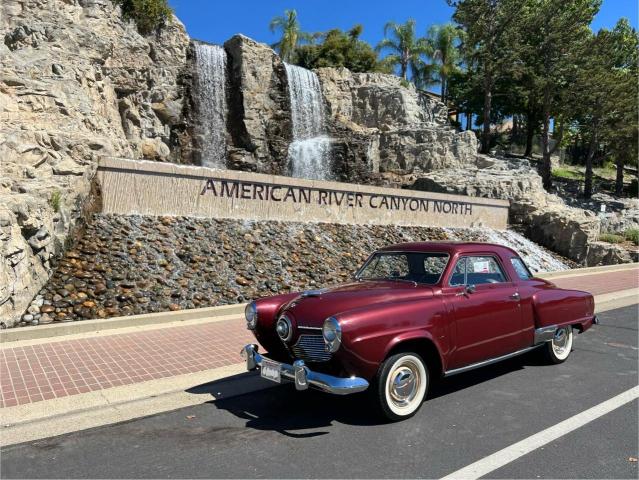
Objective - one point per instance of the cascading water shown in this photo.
(210, 83)
(309, 153)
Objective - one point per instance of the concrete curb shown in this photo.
(98, 325)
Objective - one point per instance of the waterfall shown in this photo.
(309, 153)
(210, 83)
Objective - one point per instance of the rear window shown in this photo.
(521, 268)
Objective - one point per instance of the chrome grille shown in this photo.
(310, 348)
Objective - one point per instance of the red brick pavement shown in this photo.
(601, 283)
(70, 367)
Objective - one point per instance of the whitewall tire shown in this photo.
(402, 385)
(558, 349)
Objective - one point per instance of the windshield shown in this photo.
(417, 267)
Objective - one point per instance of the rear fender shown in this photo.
(560, 308)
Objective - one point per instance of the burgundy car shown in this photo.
(415, 311)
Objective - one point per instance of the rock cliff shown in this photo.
(76, 83)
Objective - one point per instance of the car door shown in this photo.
(486, 308)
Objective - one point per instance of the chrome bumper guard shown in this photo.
(303, 377)
(544, 334)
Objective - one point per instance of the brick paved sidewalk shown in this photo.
(69, 367)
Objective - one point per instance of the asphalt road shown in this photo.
(278, 432)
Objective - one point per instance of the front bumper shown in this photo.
(304, 376)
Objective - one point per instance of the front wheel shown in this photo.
(402, 384)
(558, 349)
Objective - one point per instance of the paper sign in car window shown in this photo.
(481, 267)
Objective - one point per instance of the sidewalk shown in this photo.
(41, 370)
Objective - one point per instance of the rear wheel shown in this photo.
(558, 349)
(402, 384)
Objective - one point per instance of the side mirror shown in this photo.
(470, 289)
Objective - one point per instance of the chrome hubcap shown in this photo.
(404, 384)
(560, 341)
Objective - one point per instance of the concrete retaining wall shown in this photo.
(151, 188)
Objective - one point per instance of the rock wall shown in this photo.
(76, 83)
(395, 128)
(131, 265)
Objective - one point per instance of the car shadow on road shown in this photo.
(282, 409)
(446, 386)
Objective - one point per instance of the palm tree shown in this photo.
(442, 42)
(292, 35)
(406, 50)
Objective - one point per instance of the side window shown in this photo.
(521, 268)
(459, 273)
(480, 270)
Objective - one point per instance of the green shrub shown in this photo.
(563, 172)
(611, 238)
(149, 15)
(55, 200)
(632, 235)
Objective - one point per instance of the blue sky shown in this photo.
(216, 21)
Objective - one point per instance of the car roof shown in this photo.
(448, 247)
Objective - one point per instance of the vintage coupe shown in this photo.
(414, 312)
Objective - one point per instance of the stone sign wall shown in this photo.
(132, 187)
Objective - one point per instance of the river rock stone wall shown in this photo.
(125, 265)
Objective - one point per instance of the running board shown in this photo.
(490, 361)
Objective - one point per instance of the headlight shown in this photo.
(332, 333)
(250, 312)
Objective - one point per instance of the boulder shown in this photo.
(601, 253)
(377, 100)
(259, 113)
(407, 129)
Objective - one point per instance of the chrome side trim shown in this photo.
(544, 334)
(304, 376)
(490, 361)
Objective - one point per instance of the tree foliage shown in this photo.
(490, 33)
(148, 15)
(340, 49)
(291, 34)
(443, 43)
(406, 51)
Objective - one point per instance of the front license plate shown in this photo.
(271, 371)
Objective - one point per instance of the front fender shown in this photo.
(368, 338)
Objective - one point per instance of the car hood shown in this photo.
(311, 308)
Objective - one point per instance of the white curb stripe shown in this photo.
(502, 457)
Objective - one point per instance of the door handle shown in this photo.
(514, 296)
